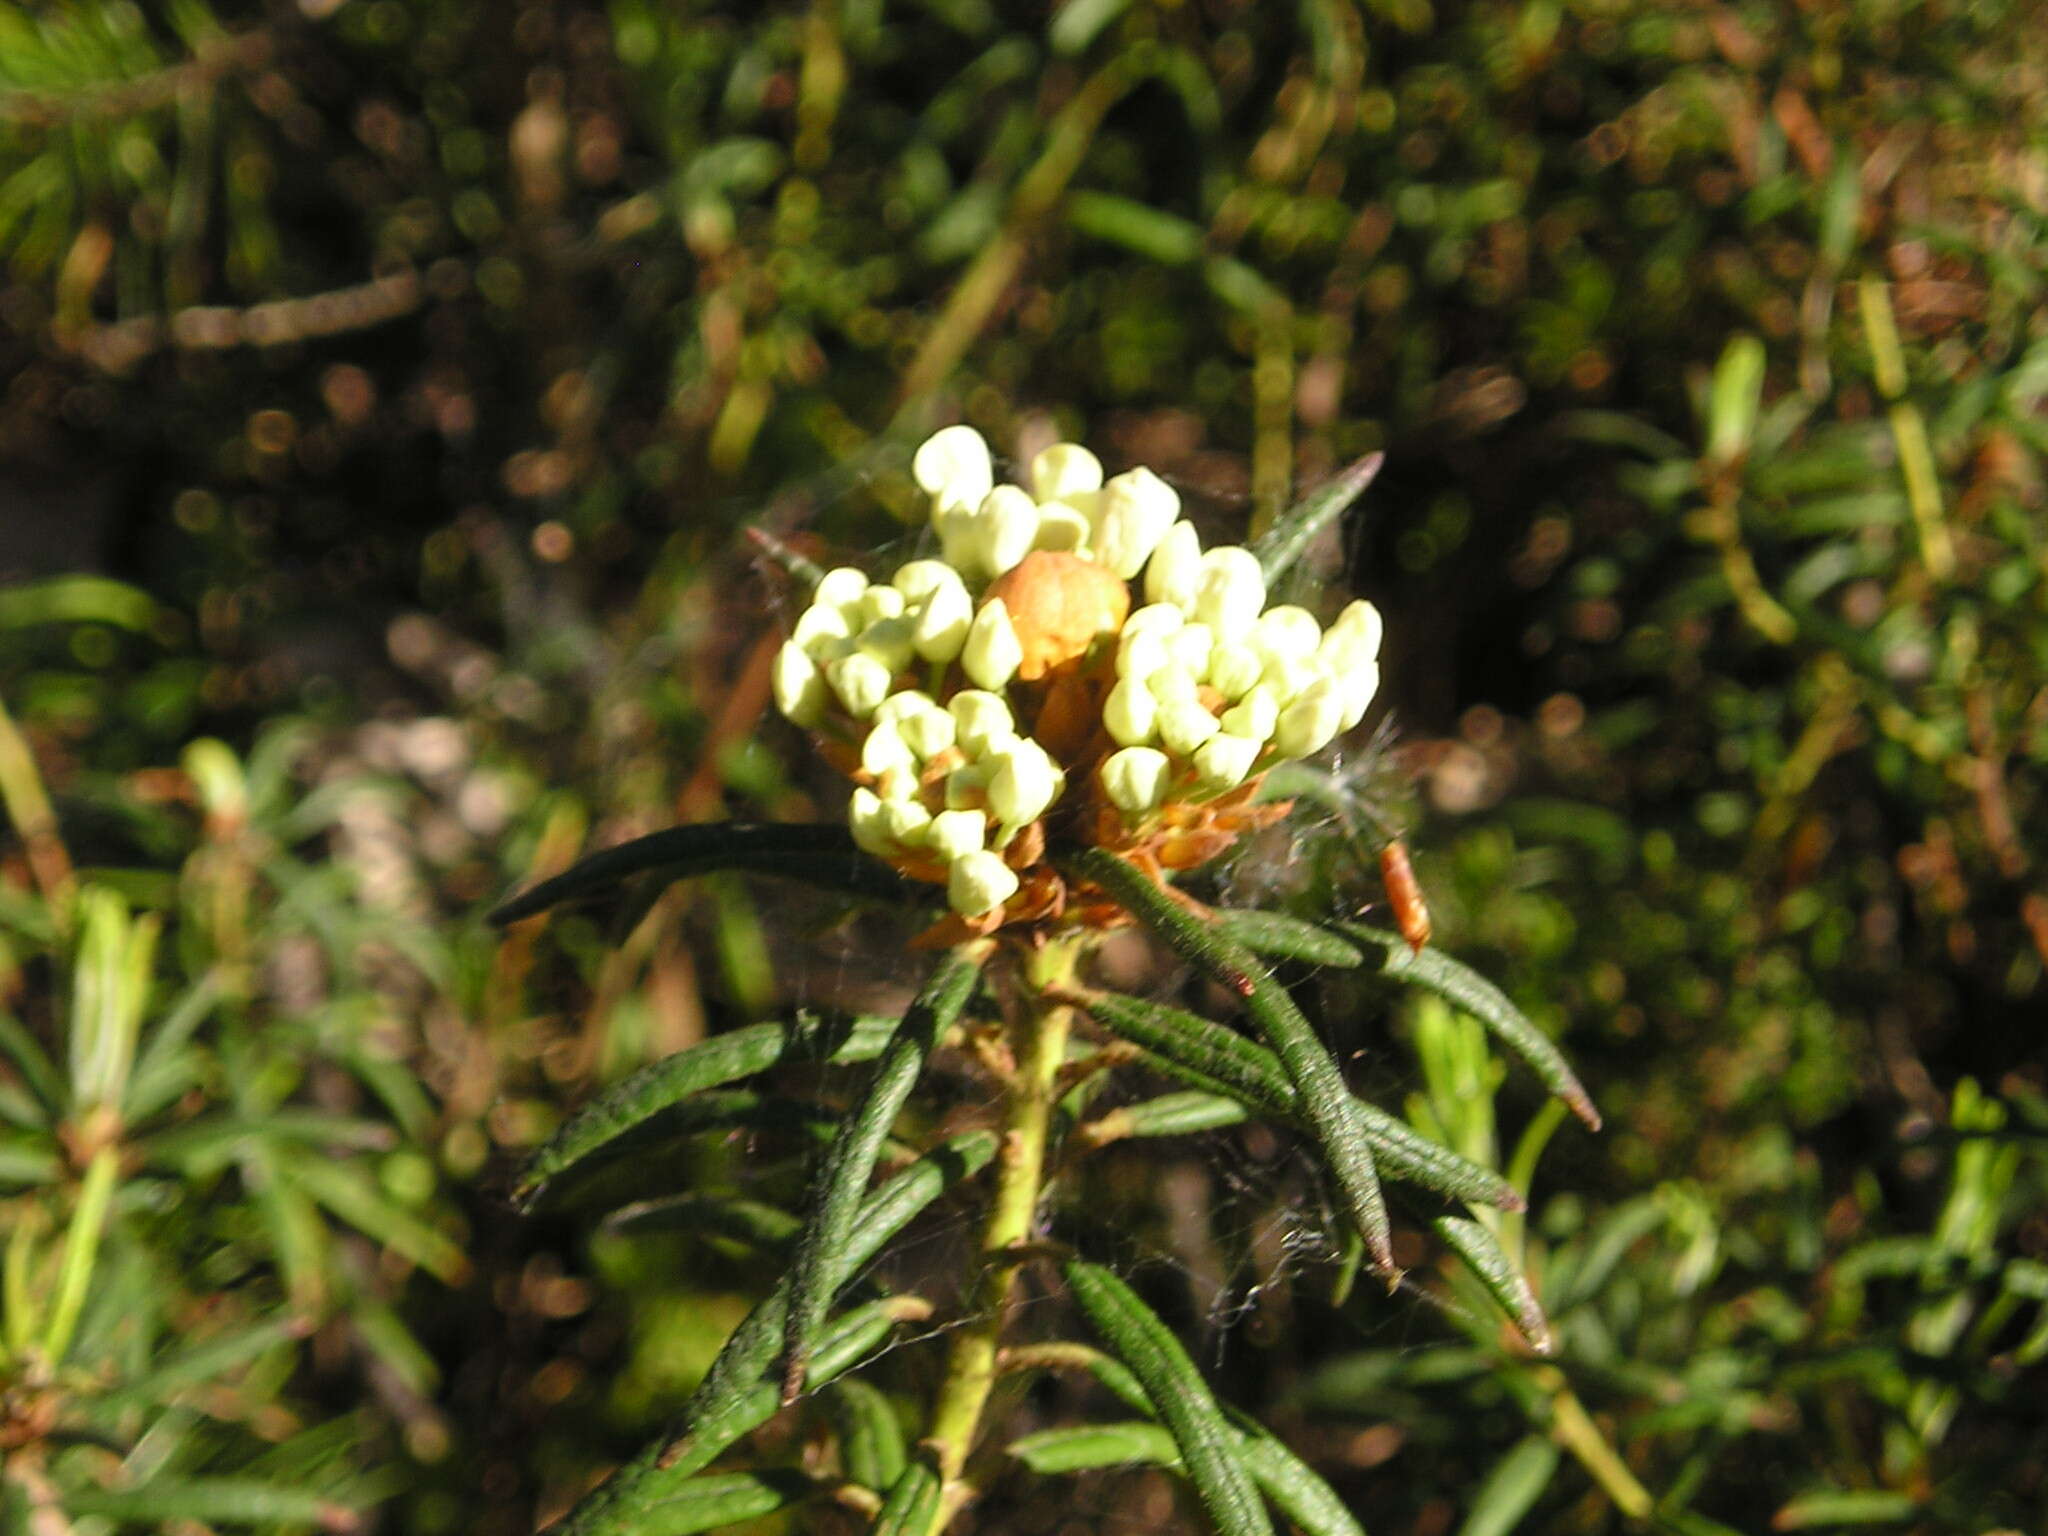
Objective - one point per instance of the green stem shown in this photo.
(1040, 1044)
(1573, 1428)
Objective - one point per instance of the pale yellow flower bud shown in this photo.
(1223, 760)
(1254, 716)
(1008, 526)
(864, 818)
(1287, 676)
(861, 683)
(1142, 654)
(1184, 725)
(1359, 683)
(1135, 512)
(1062, 528)
(928, 732)
(979, 882)
(952, 467)
(1234, 670)
(1025, 782)
(920, 578)
(880, 603)
(1176, 564)
(1130, 713)
(1229, 589)
(821, 630)
(906, 822)
(801, 692)
(943, 620)
(992, 653)
(954, 834)
(889, 641)
(837, 588)
(1308, 723)
(885, 749)
(1286, 631)
(1170, 684)
(1189, 647)
(967, 786)
(1135, 780)
(984, 721)
(1064, 468)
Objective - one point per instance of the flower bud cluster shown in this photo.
(1211, 686)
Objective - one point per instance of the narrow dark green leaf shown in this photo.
(206, 1362)
(1504, 1282)
(1434, 971)
(708, 1420)
(824, 855)
(37, 1070)
(745, 1221)
(913, 1504)
(1294, 1487)
(849, 1164)
(1276, 936)
(722, 1059)
(1085, 1447)
(1297, 1490)
(1171, 1114)
(1513, 1486)
(871, 1444)
(231, 1501)
(1209, 1449)
(1327, 1107)
(1578, 1273)
(1295, 529)
(1815, 1511)
(725, 1498)
(1214, 1058)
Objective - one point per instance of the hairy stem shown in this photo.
(971, 1367)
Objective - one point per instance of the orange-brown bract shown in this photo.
(1404, 895)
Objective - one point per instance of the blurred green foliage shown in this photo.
(403, 369)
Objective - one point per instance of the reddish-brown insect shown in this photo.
(1404, 895)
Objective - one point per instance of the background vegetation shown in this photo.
(386, 384)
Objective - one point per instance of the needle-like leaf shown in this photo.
(1436, 972)
(1295, 529)
(1209, 1450)
(850, 1163)
(823, 855)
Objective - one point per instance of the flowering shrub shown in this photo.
(1069, 706)
(1073, 666)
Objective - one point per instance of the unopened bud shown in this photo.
(1024, 784)
(1234, 670)
(1223, 760)
(1254, 716)
(1170, 683)
(1062, 528)
(928, 732)
(1136, 510)
(880, 602)
(907, 822)
(1362, 621)
(1171, 575)
(952, 467)
(979, 882)
(1008, 519)
(1062, 468)
(1229, 589)
(959, 531)
(1360, 683)
(991, 654)
(885, 749)
(1141, 655)
(954, 834)
(1135, 779)
(920, 578)
(820, 629)
(861, 683)
(1287, 677)
(1306, 725)
(984, 720)
(1130, 713)
(864, 818)
(801, 692)
(1189, 647)
(837, 588)
(1286, 631)
(1184, 725)
(942, 622)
